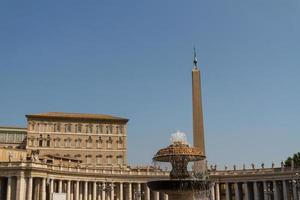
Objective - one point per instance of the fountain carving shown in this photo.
(182, 183)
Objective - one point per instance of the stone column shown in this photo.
(245, 186)
(147, 192)
(8, 189)
(139, 192)
(112, 192)
(103, 191)
(284, 190)
(94, 190)
(98, 192)
(77, 190)
(85, 197)
(20, 194)
(212, 192)
(217, 191)
(69, 190)
(51, 189)
(43, 188)
(275, 189)
(29, 188)
(90, 191)
(129, 191)
(156, 195)
(227, 191)
(121, 191)
(166, 197)
(295, 196)
(265, 190)
(255, 190)
(60, 186)
(237, 193)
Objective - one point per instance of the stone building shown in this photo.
(13, 137)
(256, 183)
(91, 138)
(81, 155)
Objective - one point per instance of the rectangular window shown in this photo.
(119, 160)
(89, 159)
(109, 160)
(78, 128)
(98, 160)
(120, 144)
(89, 144)
(78, 143)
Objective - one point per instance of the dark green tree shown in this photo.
(295, 158)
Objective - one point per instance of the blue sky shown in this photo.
(134, 59)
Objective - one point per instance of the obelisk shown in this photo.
(198, 128)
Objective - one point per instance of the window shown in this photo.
(56, 142)
(68, 128)
(68, 142)
(89, 128)
(109, 129)
(109, 143)
(78, 143)
(77, 156)
(120, 143)
(99, 129)
(41, 141)
(89, 142)
(99, 142)
(119, 160)
(56, 127)
(109, 159)
(48, 140)
(98, 159)
(45, 127)
(78, 128)
(88, 158)
(121, 129)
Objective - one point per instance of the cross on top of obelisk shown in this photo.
(195, 59)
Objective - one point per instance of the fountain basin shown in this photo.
(186, 189)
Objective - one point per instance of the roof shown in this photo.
(63, 115)
(12, 128)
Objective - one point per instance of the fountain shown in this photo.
(182, 183)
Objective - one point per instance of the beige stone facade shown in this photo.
(98, 140)
(81, 155)
(13, 137)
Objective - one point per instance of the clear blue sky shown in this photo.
(134, 59)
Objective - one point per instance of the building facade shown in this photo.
(81, 155)
(93, 139)
(13, 137)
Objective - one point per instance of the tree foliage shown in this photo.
(295, 158)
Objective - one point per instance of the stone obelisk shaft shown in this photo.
(198, 129)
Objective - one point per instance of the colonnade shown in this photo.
(42, 188)
(256, 190)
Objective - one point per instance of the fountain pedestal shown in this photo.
(182, 189)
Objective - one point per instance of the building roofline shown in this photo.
(63, 115)
(13, 128)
